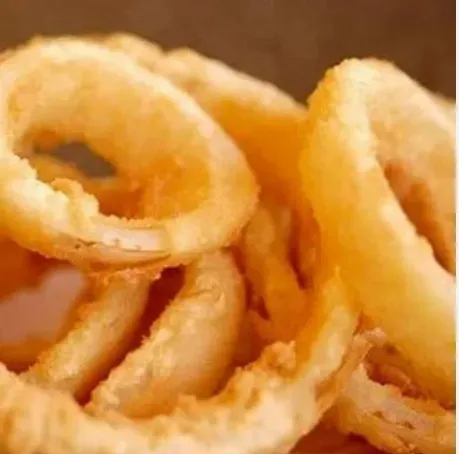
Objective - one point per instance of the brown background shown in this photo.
(289, 42)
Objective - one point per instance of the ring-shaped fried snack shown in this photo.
(189, 349)
(265, 407)
(367, 118)
(82, 91)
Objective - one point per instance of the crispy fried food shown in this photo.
(420, 167)
(349, 187)
(365, 120)
(100, 336)
(265, 251)
(393, 422)
(264, 122)
(51, 86)
(280, 397)
(189, 348)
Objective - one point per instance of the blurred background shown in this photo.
(288, 42)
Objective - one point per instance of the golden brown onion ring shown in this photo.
(263, 121)
(100, 336)
(391, 421)
(360, 111)
(52, 86)
(264, 408)
(207, 85)
(189, 349)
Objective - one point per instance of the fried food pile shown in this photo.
(260, 276)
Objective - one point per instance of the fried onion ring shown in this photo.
(264, 122)
(360, 111)
(51, 86)
(189, 348)
(265, 407)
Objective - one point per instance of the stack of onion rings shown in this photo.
(180, 130)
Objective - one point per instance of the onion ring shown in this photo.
(268, 406)
(51, 86)
(201, 83)
(189, 347)
(264, 122)
(361, 220)
(292, 381)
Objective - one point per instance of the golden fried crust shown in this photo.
(280, 397)
(51, 86)
(365, 113)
